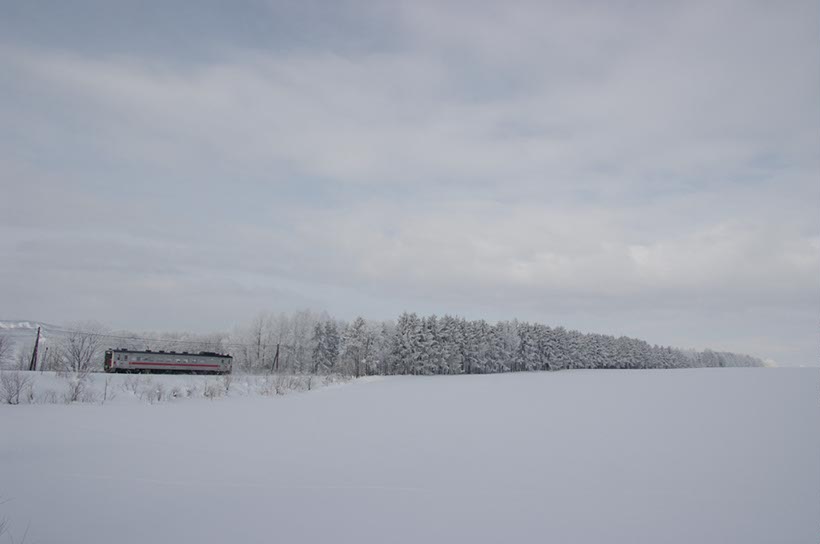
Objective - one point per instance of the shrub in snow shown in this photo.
(150, 391)
(191, 390)
(267, 387)
(14, 386)
(213, 390)
(49, 396)
(154, 392)
(78, 387)
(133, 384)
(284, 383)
(278, 384)
(144, 388)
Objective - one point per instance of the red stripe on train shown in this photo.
(171, 364)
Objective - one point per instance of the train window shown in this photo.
(126, 357)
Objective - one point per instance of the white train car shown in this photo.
(204, 362)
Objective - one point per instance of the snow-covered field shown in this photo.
(707, 455)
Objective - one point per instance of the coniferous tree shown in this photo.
(356, 345)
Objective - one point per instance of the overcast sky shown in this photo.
(640, 168)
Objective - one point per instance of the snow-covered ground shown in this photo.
(707, 455)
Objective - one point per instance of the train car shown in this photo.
(169, 362)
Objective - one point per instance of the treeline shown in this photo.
(452, 345)
(316, 343)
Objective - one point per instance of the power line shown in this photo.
(166, 340)
(119, 337)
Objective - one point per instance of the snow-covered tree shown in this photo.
(357, 343)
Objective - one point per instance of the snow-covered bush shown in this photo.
(78, 387)
(284, 383)
(267, 387)
(191, 390)
(49, 396)
(14, 387)
(213, 390)
(143, 388)
(132, 384)
(153, 392)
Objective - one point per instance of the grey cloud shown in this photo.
(594, 165)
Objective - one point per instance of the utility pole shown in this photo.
(33, 365)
